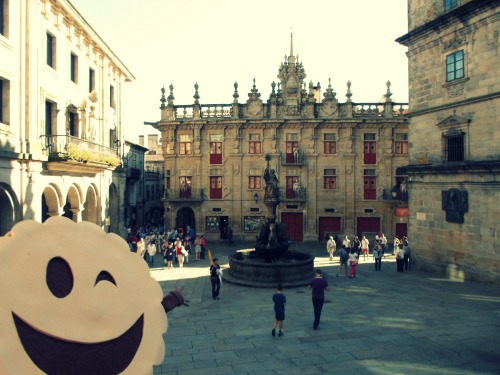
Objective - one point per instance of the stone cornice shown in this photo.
(469, 167)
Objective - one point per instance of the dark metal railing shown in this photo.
(290, 194)
(192, 194)
(395, 195)
(80, 150)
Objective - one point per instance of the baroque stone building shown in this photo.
(454, 170)
(60, 117)
(336, 161)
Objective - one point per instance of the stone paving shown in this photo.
(378, 323)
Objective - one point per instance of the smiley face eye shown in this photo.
(59, 277)
(105, 276)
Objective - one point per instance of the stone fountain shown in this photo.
(271, 262)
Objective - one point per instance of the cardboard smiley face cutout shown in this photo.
(75, 300)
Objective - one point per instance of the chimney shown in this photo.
(152, 141)
(141, 140)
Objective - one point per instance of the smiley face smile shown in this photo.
(58, 356)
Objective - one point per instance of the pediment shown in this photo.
(454, 120)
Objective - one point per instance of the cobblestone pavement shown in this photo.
(378, 323)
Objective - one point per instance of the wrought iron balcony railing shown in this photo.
(293, 195)
(296, 158)
(395, 195)
(183, 195)
(67, 147)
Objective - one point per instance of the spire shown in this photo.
(291, 58)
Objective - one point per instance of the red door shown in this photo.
(215, 152)
(290, 194)
(401, 230)
(370, 152)
(295, 223)
(367, 225)
(328, 225)
(291, 148)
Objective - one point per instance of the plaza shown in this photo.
(378, 323)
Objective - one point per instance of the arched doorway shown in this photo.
(114, 209)
(10, 211)
(185, 217)
(72, 207)
(51, 198)
(90, 206)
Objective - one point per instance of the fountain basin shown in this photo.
(294, 269)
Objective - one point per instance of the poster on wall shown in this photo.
(212, 223)
(253, 223)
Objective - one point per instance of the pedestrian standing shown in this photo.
(215, 278)
(344, 257)
(383, 241)
(203, 243)
(179, 252)
(377, 255)
(347, 242)
(406, 248)
(279, 300)
(331, 247)
(197, 248)
(353, 262)
(364, 247)
(151, 252)
(400, 258)
(318, 286)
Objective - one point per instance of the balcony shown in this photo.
(134, 174)
(184, 195)
(296, 159)
(395, 194)
(293, 195)
(70, 154)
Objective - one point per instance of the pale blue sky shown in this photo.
(218, 42)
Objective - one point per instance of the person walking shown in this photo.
(356, 245)
(168, 254)
(179, 252)
(215, 278)
(364, 247)
(353, 262)
(203, 243)
(331, 247)
(197, 248)
(151, 252)
(279, 300)
(344, 258)
(347, 242)
(377, 255)
(400, 258)
(406, 248)
(318, 286)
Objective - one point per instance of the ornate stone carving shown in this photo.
(455, 90)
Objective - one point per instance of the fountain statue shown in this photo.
(270, 263)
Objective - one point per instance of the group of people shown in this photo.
(174, 245)
(351, 251)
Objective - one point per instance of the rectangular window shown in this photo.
(370, 149)
(329, 143)
(254, 144)
(292, 148)
(73, 124)
(185, 144)
(49, 118)
(215, 187)
(254, 178)
(4, 24)
(4, 101)
(370, 184)
(91, 79)
(455, 66)
(74, 68)
(111, 96)
(167, 179)
(454, 147)
(450, 4)
(185, 185)
(330, 179)
(215, 149)
(51, 51)
(401, 143)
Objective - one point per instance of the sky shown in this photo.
(218, 42)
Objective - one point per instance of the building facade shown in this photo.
(60, 119)
(336, 162)
(153, 182)
(454, 170)
(134, 164)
